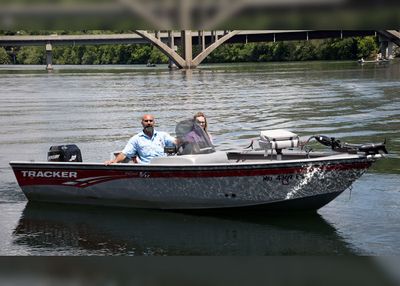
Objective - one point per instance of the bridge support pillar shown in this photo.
(171, 43)
(186, 37)
(202, 40)
(386, 48)
(49, 57)
(390, 50)
(14, 55)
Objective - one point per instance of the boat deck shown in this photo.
(239, 157)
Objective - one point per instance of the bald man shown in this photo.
(145, 145)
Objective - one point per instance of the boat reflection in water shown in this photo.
(86, 230)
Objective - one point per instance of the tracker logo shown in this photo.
(49, 174)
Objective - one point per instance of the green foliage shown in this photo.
(367, 47)
(5, 59)
(396, 51)
(305, 51)
(140, 55)
(89, 56)
(157, 57)
(331, 49)
(109, 54)
(345, 49)
(31, 55)
(262, 52)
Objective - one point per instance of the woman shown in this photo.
(200, 119)
(197, 140)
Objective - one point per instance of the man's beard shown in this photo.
(149, 130)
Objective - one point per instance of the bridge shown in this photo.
(167, 41)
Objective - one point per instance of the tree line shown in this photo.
(327, 49)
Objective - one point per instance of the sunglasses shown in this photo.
(200, 122)
(148, 120)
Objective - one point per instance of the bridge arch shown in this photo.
(169, 52)
(200, 57)
(187, 62)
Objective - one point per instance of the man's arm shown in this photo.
(120, 157)
(168, 139)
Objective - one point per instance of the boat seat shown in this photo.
(212, 158)
(173, 160)
(198, 159)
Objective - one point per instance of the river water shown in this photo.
(99, 108)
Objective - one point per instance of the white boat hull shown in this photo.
(300, 184)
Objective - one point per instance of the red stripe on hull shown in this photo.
(83, 178)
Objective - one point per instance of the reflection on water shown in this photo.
(80, 230)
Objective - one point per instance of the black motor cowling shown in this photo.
(64, 153)
(370, 149)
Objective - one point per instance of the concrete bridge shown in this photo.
(208, 41)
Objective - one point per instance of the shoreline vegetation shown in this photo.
(313, 50)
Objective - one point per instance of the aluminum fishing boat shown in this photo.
(277, 172)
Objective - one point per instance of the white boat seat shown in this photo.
(212, 158)
(278, 139)
(198, 159)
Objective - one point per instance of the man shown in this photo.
(146, 145)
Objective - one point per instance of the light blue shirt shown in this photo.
(147, 148)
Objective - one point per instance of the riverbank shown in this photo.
(329, 49)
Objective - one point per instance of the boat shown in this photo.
(377, 61)
(277, 171)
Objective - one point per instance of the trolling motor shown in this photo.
(336, 145)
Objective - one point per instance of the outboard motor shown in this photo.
(64, 153)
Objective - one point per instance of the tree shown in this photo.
(281, 52)
(305, 51)
(89, 56)
(5, 59)
(156, 56)
(366, 47)
(345, 49)
(140, 55)
(396, 51)
(31, 56)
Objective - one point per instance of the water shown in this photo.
(99, 108)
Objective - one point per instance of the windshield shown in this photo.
(193, 139)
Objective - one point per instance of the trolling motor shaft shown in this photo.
(336, 145)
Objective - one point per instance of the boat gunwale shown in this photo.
(256, 164)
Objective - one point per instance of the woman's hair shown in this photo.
(201, 114)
